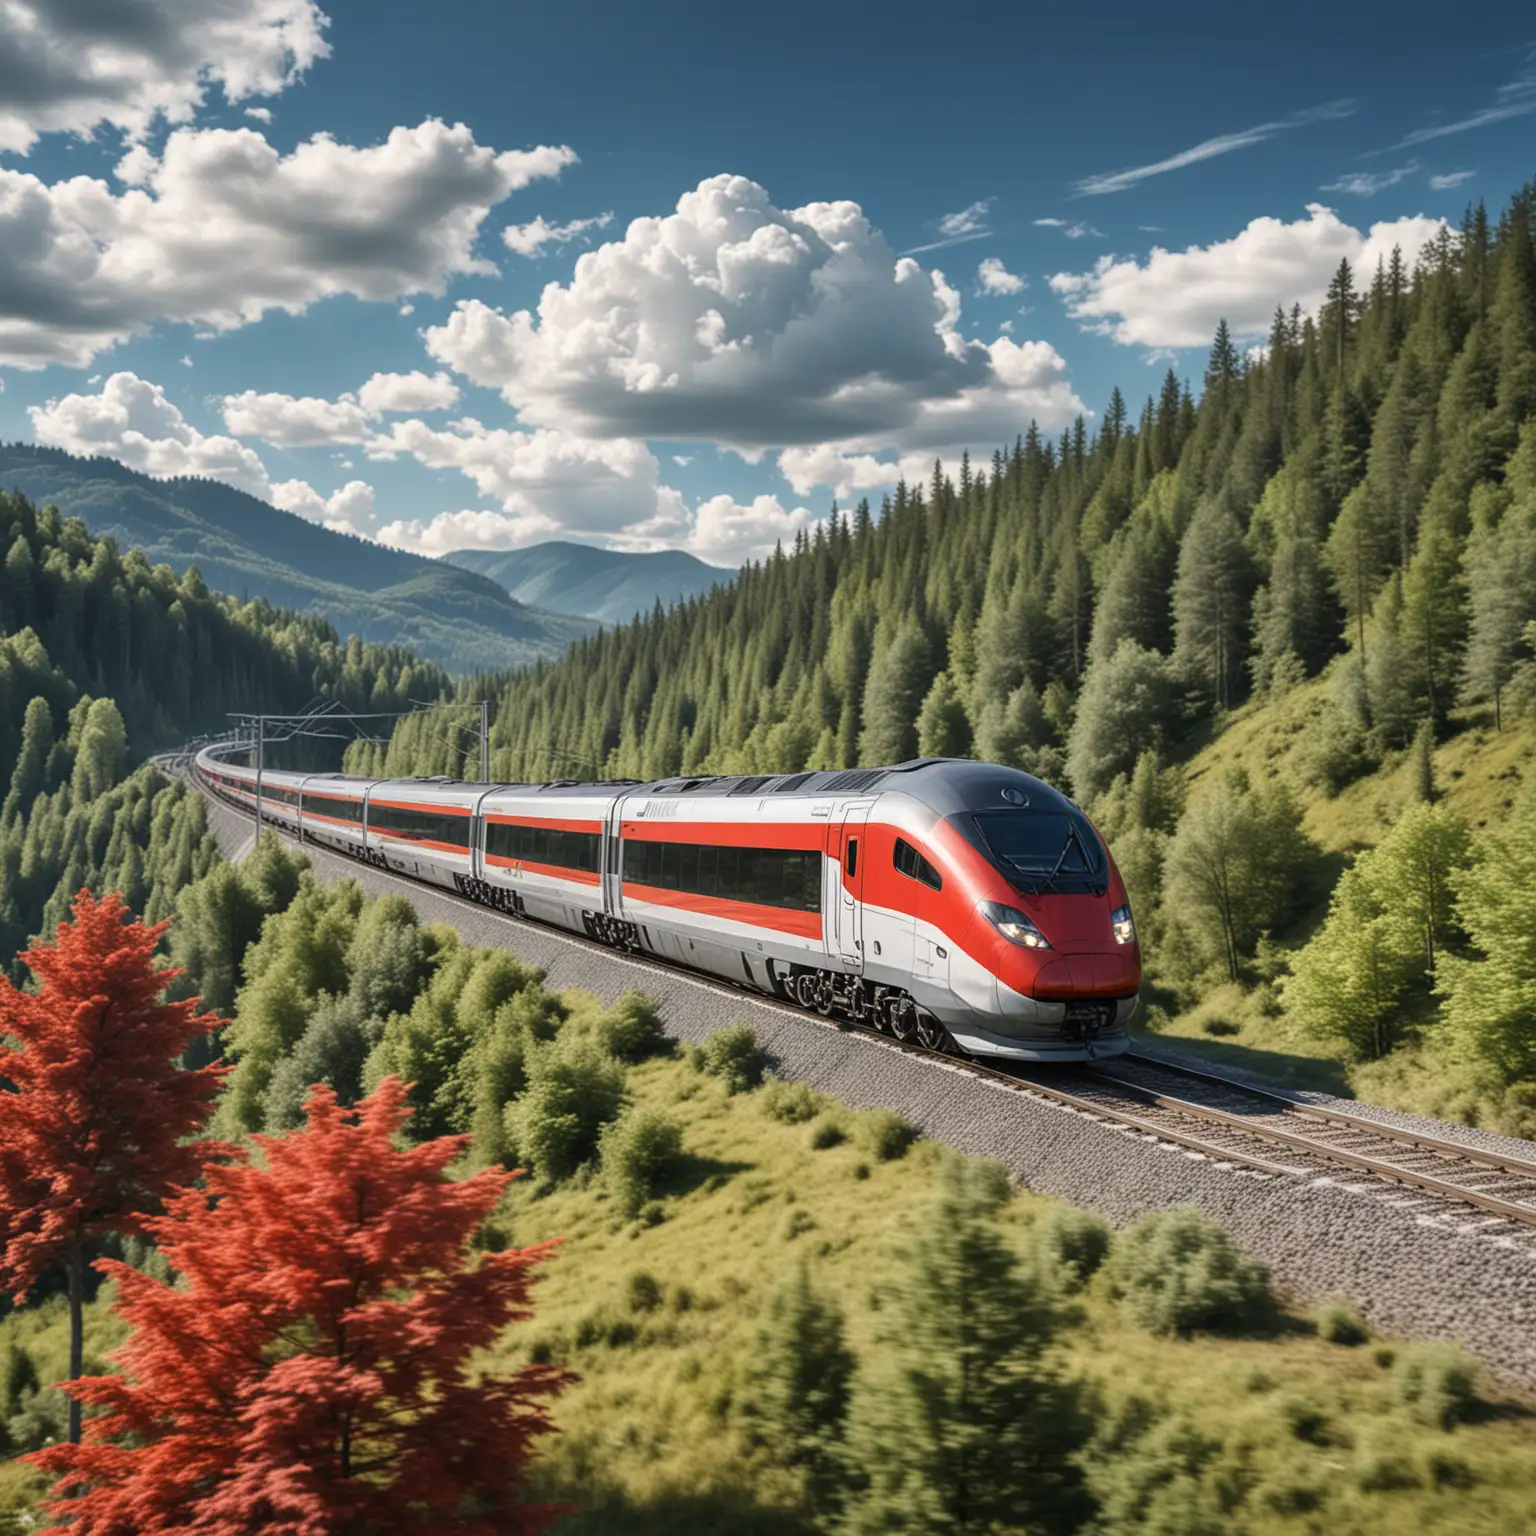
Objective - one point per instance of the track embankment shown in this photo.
(1410, 1262)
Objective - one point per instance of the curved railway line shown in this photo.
(1229, 1122)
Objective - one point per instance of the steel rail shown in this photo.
(1378, 1166)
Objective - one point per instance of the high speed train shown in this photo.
(952, 904)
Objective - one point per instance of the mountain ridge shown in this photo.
(609, 585)
(249, 548)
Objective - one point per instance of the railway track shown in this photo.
(1204, 1114)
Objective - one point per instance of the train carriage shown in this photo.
(952, 903)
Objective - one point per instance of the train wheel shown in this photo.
(931, 1033)
(904, 1020)
(805, 989)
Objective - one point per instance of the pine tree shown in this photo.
(962, 1421)
(804, 1373)
(943, 729)
(899, 678)
(1210, 603)
(312, 1370)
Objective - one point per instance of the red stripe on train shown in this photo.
(805, 925)
(793, 837)
(555, 871)
(418, 842)
(430, 810)
(549, 823)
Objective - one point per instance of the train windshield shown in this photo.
(1037, 845)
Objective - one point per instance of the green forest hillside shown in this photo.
(1330, 557)
(244, 546)
(105, 659)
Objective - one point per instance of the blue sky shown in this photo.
(474, 275)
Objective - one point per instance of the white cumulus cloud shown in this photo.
(220, 228)
(72, 67)
(994, 277)
(261, 114)
(736, 322)
(133, 421)
(530, 239)
(348, 510)
(307, 421)
(1175, 298)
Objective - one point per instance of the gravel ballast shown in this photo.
(1410, 1263)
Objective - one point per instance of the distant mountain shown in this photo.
(605, 584)
(250, 549)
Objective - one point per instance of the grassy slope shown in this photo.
(1478, 773)
(655, 1436)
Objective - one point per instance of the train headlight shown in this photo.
(1123, 924)
(1013, 925)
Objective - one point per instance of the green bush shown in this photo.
(827, 1132)
(574, 1090)
(1177, 1272)
(638, 1151)
(792, 1103)
(734, 1056)
(631, 1029)
(1307, 1421)
(1220, 1028)
(1071, 1245)
(643, 1291)
(886, 1134)
(1449, 1471)
(1339, 1323)
(1387, 1472)
(1438, 1383)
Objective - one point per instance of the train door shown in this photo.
(848, 908)
(613, 894)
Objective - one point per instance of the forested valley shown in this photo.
(105, 660)
(1332, 549)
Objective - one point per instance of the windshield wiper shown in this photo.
(1066, 848)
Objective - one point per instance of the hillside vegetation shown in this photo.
(1245, 632)
(611, 585)
(244, 546)
(105, 659)
(790, 1317)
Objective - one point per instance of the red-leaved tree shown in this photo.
(94, 1138)
(313, 1373)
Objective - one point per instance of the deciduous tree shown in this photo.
(96, 1135)
(311, 1372)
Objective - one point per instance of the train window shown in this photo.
(910, 862)
(335, 807)
(765, 877)
(558, 847)
(419, 826)
(853, 857)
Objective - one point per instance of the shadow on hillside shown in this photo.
(692, 1172)
(1280, 1068)
(723, 1513)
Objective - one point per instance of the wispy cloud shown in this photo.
(1450, 179)
(957, 228)
(939, 245)
(1073, 229)
(968, 221)
(530, 239)
(1515, 99)
(1369, 183)
(1209, 149)
(1150, 229)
